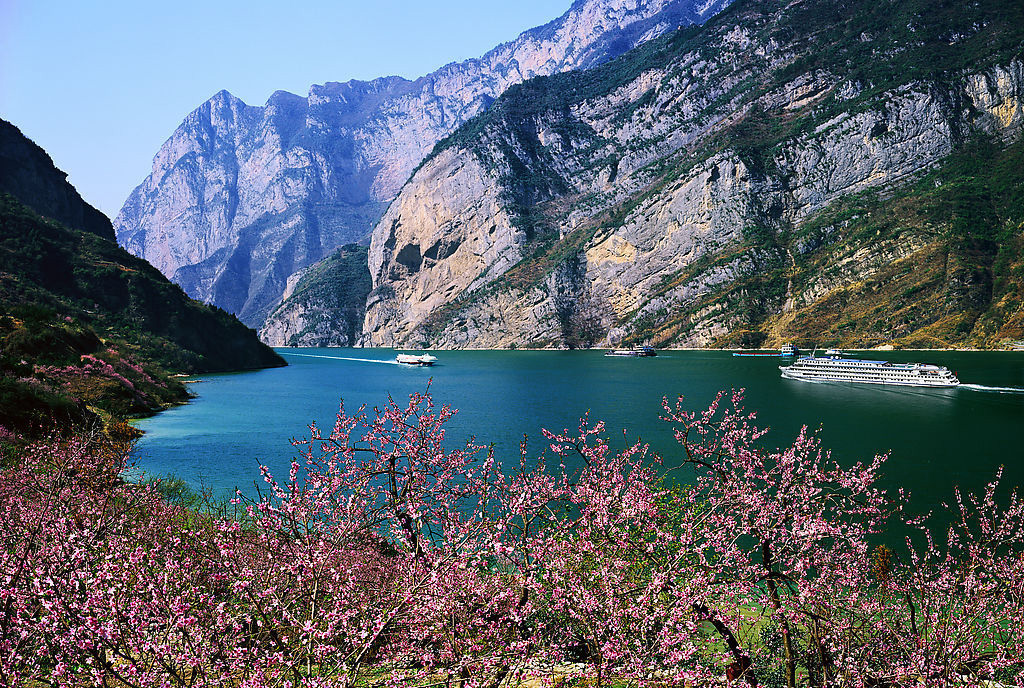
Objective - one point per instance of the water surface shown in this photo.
(936, 438)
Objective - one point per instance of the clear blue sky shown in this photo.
(101, 84)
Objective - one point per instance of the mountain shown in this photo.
(240, 198)
(326, 306)
(85, 326)
(836, 172)
(28, 174)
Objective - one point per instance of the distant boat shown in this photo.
(833, 352)
(635, 351)
(787, 350)
(416, 359)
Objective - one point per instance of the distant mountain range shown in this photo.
(242, 198)
(85, 327)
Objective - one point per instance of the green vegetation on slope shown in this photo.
(335, 290)
(342, 275)
(84, 276)
(85, 324)
(963, 286)
(56, 372)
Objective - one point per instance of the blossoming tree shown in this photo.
(389, 556)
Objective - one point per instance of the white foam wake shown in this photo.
(986, 388)
(341, 358)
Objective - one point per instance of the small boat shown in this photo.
(416, 359)
(635, 351)
(787, 350)
(833, 352)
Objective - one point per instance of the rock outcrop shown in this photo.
(683, 180)
(241, 198)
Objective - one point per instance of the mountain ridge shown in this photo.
(242, 197)
(28, 173)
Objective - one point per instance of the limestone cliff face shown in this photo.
(437, 240)
(676, 182)
(240, 198)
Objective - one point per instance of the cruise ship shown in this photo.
(838, 369)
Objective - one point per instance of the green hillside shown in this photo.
(331, 297)
(85, 324)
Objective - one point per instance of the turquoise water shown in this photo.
(937, 438)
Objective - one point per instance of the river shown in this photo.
(936, 438)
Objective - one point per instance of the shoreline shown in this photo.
(681, 348)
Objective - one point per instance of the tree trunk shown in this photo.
(744, 667)
(787, 636)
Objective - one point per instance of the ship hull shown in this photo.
(888, 383)
(411, 360)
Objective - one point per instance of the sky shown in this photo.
(101, 84)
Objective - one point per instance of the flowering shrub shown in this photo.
(56, 373)
(118, 384)
(388, 557)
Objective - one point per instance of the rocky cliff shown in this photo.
(686, 193)
(241, 198)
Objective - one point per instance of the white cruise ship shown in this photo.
(635, 351)
(838, 369)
